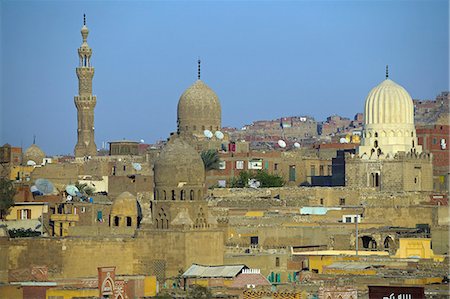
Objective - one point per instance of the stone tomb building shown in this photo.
(389, 157)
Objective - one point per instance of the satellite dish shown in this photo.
(219, 135)
(281, 143)
(69, 197)
(137, 166)
(31, 163)
(343, 140)
(72, 190)
(45, 186)
(142, 141)
(34, 189)
(207, 133)
(296, 145)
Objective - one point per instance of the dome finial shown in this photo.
(34, 139)
(84, 19)
(198, 76)
(387, 71)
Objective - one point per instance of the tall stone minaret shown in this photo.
(85, 101)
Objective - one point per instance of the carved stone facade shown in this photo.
(85, 101)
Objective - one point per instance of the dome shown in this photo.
(388, 122)
(34, 153)
(198, 110)
(179, 172)
(389, 103)
(125, 204)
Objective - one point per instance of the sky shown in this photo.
(264, 60)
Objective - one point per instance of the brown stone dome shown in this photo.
(179, 172)
(125, 204)
(34, 153)
(198, 110)
(124, 211)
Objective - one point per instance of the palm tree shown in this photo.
(84, 188)
(211, 159)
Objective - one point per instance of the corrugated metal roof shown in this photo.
(213, 271)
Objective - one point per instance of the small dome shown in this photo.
(179, 165)
(125, 204)
(199, 109)
(34, 153)
(389, 103)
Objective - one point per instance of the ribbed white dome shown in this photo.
(388, 122)
(389, 103)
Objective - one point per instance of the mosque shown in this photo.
(165, 236)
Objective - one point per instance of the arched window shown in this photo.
(164, 192)
(129, 221)
(116, 220)
(173, 194)
(376, 134)
(191, 196)
(375, 144)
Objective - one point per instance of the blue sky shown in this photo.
(264, 59)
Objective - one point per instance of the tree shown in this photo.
(199, 292)
(7, 192)
(211, 159)
(241, 181)
(267, 180)
(84, 188)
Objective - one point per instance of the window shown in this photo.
(291, 173)
(222, 165)
(24, 214)
(255, 164)
(239, 164)
(434, 140)
(173, 194)
(348, 219)
(313, 170)
(277, 262)
(124, 168)
(329, 170)
(321, 172)
(99, 216)
(275, 166)
(341, 201)
(83, 209)
(129, 221)
(321, 201)
(116, 220)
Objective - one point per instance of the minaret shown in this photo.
(85, 101)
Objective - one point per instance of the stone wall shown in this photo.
(151, 252)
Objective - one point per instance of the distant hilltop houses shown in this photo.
(285, 208)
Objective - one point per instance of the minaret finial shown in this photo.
(387, 71)
(198, 76)
(84, 19)
(34, 139)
